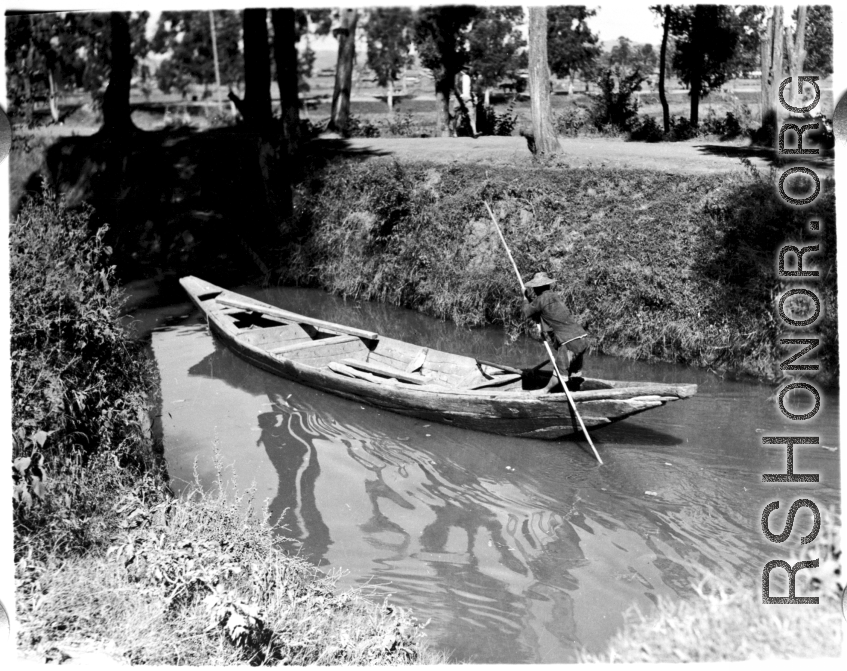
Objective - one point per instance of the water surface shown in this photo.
(518, 550)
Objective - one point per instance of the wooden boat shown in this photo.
(413, 380)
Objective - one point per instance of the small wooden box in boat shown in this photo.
(410, 379)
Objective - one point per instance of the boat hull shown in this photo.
(509, 413)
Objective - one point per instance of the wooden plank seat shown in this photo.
(285, 315)
(360, 374)
(321, 342)
(388, 371)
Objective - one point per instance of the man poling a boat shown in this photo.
(567, 337)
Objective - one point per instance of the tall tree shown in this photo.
(796, 52)
(819, 40)
(706, 39)
(665, 13)
(543, 132)
(256, 107)
(117, 117)
(28, 58)
(571, 46)
(285, 55)
(771, 63)
(388, 32)
(622, 53)
(441, 40)
(345, 33)
(750, 21)
(495, 47)
(645, 58)
(186, 39)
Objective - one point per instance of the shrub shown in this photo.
(402, 125)
(572, 120)
(490, 122)
(76, 374)
(726, 128)
(646, 129)
(682, 128)
(358, 127)
(616, 105)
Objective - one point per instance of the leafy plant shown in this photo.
(75, 372)
(616, 104)
(27, 481)
(572, 121)
(646, 129)
(490, 122)
(358, 127)
(402, 125)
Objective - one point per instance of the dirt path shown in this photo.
(696, 156)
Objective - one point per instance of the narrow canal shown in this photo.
(518, 550)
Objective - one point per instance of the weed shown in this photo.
(418, 235)
(200, 580)
(75, 373)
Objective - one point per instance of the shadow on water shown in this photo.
(519, 550)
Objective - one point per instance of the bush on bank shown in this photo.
(105, 558)
(657, 266)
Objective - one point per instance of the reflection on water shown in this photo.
(519, 551)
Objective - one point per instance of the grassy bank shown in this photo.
(107, 562)
(668, 267)
(727, 621)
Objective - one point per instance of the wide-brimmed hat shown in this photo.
(539, 280)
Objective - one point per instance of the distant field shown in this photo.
(415, 108)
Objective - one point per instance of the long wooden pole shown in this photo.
(546, 344)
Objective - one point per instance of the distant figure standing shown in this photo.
(567, 337)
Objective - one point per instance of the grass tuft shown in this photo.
(658, 267)
(200, 580)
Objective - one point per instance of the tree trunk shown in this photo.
(771, 69)
(695, 102)
(570, 84)
(544, 135)
(257, 69)
(285, 54)
(488, 96)
(663, 53)
(30, 103)
(51, 81)
(346, 36)
(798, 56)
(217, 64)
(390, 97)
(443, 88)
(116, 113)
